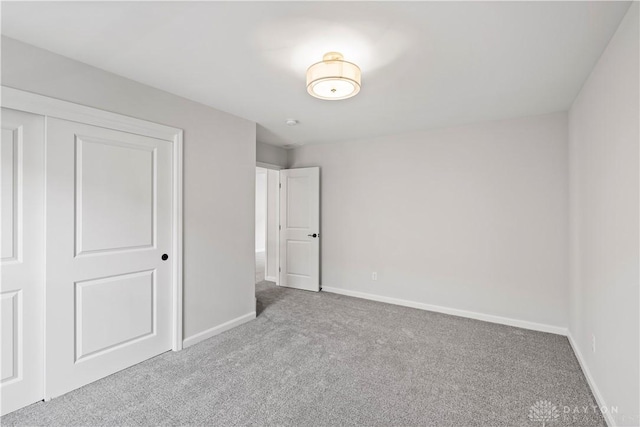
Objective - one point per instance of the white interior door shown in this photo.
(22, 259)
(300, 228)
(108, 230)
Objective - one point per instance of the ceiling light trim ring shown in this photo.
(356, 88)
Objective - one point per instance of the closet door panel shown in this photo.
(109, 252)
(21, 259)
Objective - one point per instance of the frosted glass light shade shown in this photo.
(333, 78)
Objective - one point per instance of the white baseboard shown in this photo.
(611, 422)
(201, 336)
(453, 311)
(271, 278)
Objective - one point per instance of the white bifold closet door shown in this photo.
(22, 259)
(109, 243)
(300, 228)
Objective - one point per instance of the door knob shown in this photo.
(165, 257)
(314, 235)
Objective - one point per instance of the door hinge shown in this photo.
(279, 270)
(279, 227)
(280, 185)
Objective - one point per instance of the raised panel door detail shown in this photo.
(114, 311)
(299, 257)
(115, 196)
(297, 202)
(10, 329)
(10, 178)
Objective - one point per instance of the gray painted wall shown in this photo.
(219, 174)
(271, 154)
(604, 137)
(471, 218)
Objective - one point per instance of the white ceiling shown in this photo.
(424, 65)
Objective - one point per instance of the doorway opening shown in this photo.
(287, 228)
(266, 235)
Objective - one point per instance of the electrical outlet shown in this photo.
(593, 343)
(374, 276)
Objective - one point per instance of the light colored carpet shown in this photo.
(319, 359)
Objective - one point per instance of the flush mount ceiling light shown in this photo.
(333, 78)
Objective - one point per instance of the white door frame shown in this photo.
(268, 166)
(50, 107)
